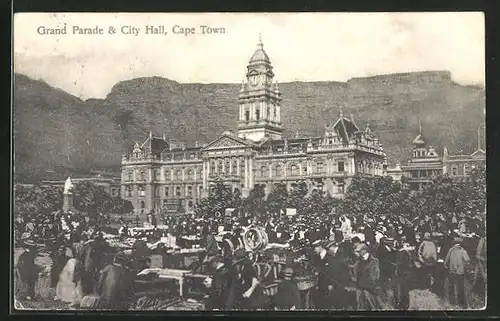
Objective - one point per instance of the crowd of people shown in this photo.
(359, 263)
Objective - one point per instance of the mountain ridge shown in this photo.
(54, 129)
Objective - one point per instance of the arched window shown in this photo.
(142, 176)
(212, 167)
(235, 167)
(247, 115)
(264, 170)
(454, 170)
(190, 191)
(190, 174)
(177, 175)
(167, 190)
(320, 167)
(167, 175)
(466, 169)
(295, 170)
(190, 204)
(142, 191)
(200, 190)
(278, 171)
(200, 173)
(143, 205)
(178, 191)
(130, 176)
(128, 191)
(257, 114)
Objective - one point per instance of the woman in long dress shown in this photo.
(66, 289)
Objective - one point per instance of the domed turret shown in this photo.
(260, 55)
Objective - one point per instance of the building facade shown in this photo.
(459, 167)
(162, 175)
(424, 165)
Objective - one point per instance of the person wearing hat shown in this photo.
(386, 255)
(27, 271)
(322, 295)
(115, 285)
(217, 284)
(402, 275)
(427, 256)
(287, 296)
(244, 290)
(367, 279)
(457, 262)
(340, 276)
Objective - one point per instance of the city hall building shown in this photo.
(163, 175)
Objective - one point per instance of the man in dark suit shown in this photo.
(333, 277)
(217, 284)
(340, 276)
(367, 277)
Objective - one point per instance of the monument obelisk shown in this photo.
(68, 196)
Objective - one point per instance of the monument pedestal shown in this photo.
(68, 203)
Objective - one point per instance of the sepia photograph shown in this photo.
(249, 162)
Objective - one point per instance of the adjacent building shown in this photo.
(167, 176)
(460, 166)
(426, 164)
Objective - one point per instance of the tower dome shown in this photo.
(260, 55)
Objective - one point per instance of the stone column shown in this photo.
(204, 174)
(246, 172)
(278, 116)
(300, 170)
(250, 172)
(183, 171)
(231, 166)
(134, 175)
(270, 170)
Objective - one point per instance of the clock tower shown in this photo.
(259, 100)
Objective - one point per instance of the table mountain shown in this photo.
(54, 130)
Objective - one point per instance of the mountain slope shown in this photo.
(55, 130)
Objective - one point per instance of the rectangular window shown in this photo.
(190, 191)
(341, 167)
(178, 191)
(166, 191)
(321, 167)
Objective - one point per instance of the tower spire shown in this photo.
(341, 114)
(260, 44)
(419, 126)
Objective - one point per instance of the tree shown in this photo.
(255, 203)
(276, 200)
(297, 195)
(220, 197)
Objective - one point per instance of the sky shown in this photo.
(301, 46)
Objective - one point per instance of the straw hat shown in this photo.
(288, 272)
